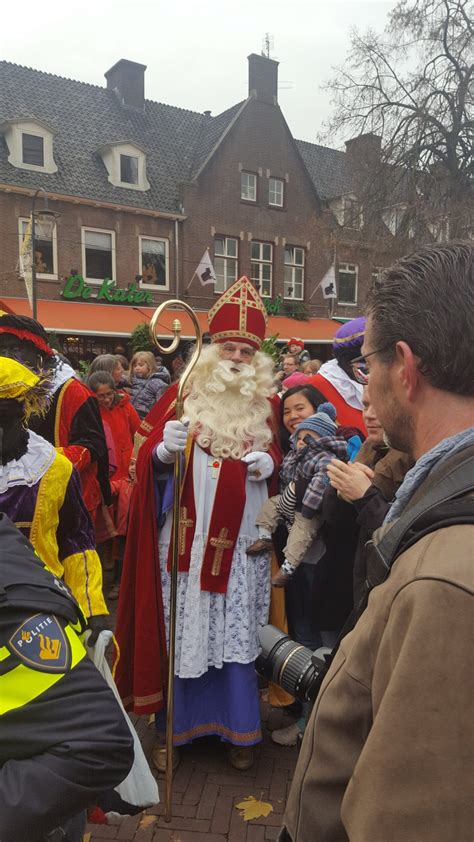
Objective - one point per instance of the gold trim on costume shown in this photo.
(340, 340)
(216, 727)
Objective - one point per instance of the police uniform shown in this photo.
(63, 738)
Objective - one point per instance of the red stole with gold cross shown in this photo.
(224, 526)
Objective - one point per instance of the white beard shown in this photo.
(229, 410)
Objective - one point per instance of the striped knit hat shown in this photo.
(323, 422)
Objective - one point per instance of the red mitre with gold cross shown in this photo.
(239, 315)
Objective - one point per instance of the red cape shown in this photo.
(141, 669)
(347, 416)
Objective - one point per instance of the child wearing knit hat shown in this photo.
(303, 480)
(296, 348)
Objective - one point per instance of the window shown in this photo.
(98, 254)
(225, 262)
(30, 145)
(276, 192)
(439, 229)
(352, 213)
(153, 262)
(129, 169)
(261, 257)
(348, 211)
(248, 186)
(46, 261)
(293, 286)
(376, 272)
(33, 149)
(399, 221)
(126, 165)
(347, 293)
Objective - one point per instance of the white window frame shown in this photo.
(156, 287)
(111, 157)
(235, 260)
(14, 131)
(43, 276)
(351, 219)
(439, 228)
(341, 207)
(393, 216)
(83, 251)
(256, 277)
(376, 271)
(348, 270)
(293, 266)
(282, 183)
(249, 175)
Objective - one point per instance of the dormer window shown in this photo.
(33, 149)
(126, 165)
(30, 145)
(128, 169)
(348, 211)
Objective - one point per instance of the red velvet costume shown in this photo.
(347, 416)
(73, 424)
(141, 668)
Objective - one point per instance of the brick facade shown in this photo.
(252, 137)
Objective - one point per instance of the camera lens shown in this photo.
(291, 665)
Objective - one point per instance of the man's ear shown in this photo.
(407, 369)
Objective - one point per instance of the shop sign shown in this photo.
(273, 306)
(76, 289)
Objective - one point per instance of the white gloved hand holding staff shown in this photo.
(175, 436)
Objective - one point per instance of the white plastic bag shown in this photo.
(139, 787)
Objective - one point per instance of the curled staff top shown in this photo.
(170, 349)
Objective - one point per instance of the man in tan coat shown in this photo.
(388, 752)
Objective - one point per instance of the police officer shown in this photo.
(63, 738)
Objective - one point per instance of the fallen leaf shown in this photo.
(253, 809)
(86, 837)
(146, 821)
(151, 719)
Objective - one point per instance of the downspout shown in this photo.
(176, 256)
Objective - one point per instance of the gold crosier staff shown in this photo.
(176, 328)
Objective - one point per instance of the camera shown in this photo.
(294, 667)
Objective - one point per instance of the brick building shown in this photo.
(141, 189)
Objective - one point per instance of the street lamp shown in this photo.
(45, 220)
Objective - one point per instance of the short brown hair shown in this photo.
(426, 300)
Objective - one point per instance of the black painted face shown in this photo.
(13, 435)
(22, 351)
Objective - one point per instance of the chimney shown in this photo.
(364, 148)
(263, 78)
(127, 79)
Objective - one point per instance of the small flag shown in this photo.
(25, 262)
(205, 270)
(328, 283)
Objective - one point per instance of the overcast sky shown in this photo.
(195, 52)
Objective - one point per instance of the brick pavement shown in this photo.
(205, 791)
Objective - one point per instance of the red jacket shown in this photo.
(347, 416)
(123, 422)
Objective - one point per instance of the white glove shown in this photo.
(174, 440)
(260, 465)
